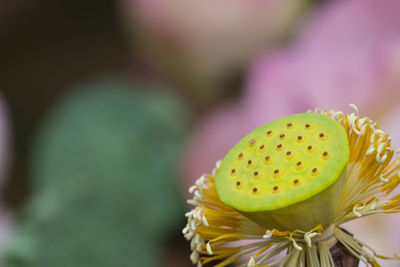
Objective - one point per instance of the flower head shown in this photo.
(288, 186)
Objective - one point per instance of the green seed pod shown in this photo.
(287, 173)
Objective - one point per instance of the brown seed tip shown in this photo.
(321, 135)
(238, 183)
(282, 135)
(289, 124)
(241, 155)
(289, 153)
(267, 158)
(309, 147)
(255, 189)
(255, 173)
(276, 171)
(233, 171)
(279, 146)
(296, 181)
(299, 137)
(262, 147)
(249, 162)
(325, 154)
(269, 132)
(307, 125)
(276, 187)
(314, 170)
(298, 163)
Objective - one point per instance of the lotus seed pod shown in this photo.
(287, 173)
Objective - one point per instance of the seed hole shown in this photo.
(262, 147)
(289, 124)
(314, 170)
(255, 173)
(241, 155)
(299, 138)
(267, 158)
(289, 153)
(279, 146)
(325, 154)
(269, 132)
(322, 135)
(296, 181)
(281, 136)
(276, 188)
(249, 162)
(252, 142)
(309, 147)
(307, 125)
(276, 171)
(238, 183)
(299, 163)
(233, 171)
(255, 189)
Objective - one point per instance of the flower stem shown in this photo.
(342, 257)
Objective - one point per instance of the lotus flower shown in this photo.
(347, 52)
(288, 186)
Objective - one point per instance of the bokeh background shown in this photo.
(110, 110)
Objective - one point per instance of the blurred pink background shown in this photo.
(6, 218)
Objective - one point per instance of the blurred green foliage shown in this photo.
(104, 178)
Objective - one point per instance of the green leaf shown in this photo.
(104, 177)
